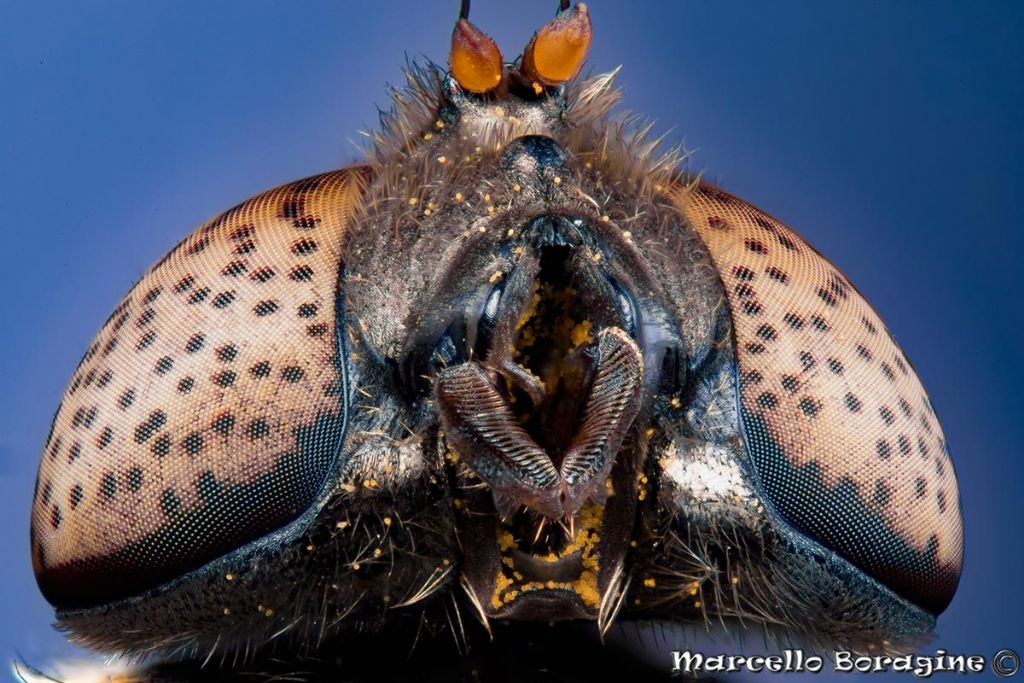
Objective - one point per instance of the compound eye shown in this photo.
(208, 411)
(838, 426)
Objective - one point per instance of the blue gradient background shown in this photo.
(889, 134)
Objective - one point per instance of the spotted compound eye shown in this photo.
(840, 430)
(207, 412)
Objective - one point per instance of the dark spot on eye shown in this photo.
(47, 493)
(134, 479)
(110, 346)
(752, 377)
(164, 365)
(264, 308)
(224, 423)
(145, 340)
(777, 274)
(940, 497)
(751, 307)
(207, 486)
(307, 310)
(292, 208)
(887, 371)
(807, 360)
(198, 295)
(246, 247)
(332, 389)
(261, 369)
(835, 366)
(185, 384)
(317, 330)
(743, 273)
(887, 415)
(882, 447)
(104, 379)
(901, 365)
(716, 223)
(819, 323)
(767, 400)
(743, 290)
(905, 407)
(76, 496)
(863, 352)
(193, 443)
(755, 246)
(868, 325)
(145, 318)
(304, 246)
(786, 242)
(827, 297)
(152, 295)
(301, 274)
(121, 320)
(853, 403)
(258, 429)
(55, 517)
(55, 448)
(161, 445)
(106, 436)
(904, 444)
(242, 232)
(234, 269)
(108, 485)
(262, 274)
(224, 299)
(74, 452)
(754, 347)
(227, 353)
(292, 373)
(146, 429)
(790, 383)
(224, 379)
(170, 503)
(184, 284)
(195, 343)
(922, 447)
(809, 406)
(881, 493)
(920, 487)
(198, 246)
(794, 321)
(767, 332)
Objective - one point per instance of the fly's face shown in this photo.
(517, 355)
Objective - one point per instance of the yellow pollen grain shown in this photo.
(377, 552)
(636, 601)
(641, 495)
(650, 583)
(370, 483)
(466, 159)
(341, 525)
(427, 136)
(627, 234)
(439, 124)
(458, 197)
(490, 209)
(309, 547)
(487, 197)
(735, 580)
(268, 612)
(697, 603)
(597, 257)
(442, 159)
(675, 402)
(427, 212)
(482, 228)
(495, 277)
(387, 521)
(649, 432)
(517, 188)
(227, 610)
(412, 201)
(605, 218)
(355, 566)
(557, 180)
(511, 232)
(229, 577)
(446, 562)
(632, 544)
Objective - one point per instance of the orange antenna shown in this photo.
(557, 51)
(475, 60)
